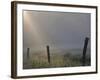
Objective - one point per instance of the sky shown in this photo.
(56, 29)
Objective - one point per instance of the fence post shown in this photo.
(48, 53)
(28, 49)
(84, 51)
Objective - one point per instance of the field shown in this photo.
(57, 59)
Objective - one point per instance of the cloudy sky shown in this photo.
(60, 29)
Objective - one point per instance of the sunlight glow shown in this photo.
(31, 27)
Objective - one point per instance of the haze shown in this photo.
(56, 29)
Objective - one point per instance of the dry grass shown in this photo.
(57, 60)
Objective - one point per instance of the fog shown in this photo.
(56, 29)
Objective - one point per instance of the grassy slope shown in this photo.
(57, 60)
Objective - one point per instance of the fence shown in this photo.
(48, 52)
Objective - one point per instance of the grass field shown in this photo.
(39, 60)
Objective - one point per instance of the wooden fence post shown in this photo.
(48, 53)
(28, 49)
(84, 51)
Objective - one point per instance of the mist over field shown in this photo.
(64, 32)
